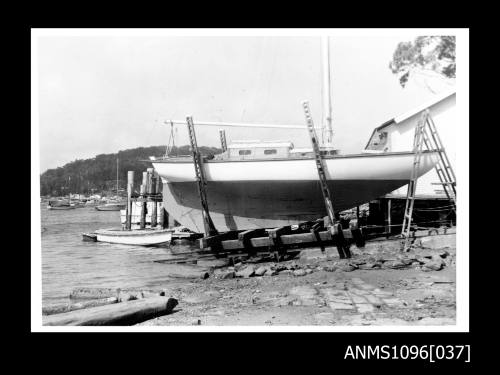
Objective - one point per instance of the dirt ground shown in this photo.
(379, 285)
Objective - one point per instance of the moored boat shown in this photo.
(116, 206)
(143, 237)
(68, 207)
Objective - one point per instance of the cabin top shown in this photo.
(247, 150)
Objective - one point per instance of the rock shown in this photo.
(246, 272)
(346, 266)
(228, 275)
(438, 242)
(299, 272)
(433, 265)
(280, 267)
(443, 253)
(369, 266)
(394, 264)
(330, 268)
(270, 272)
(294, 266)
(123, 297)
(286, 272)
(405, 260)
(204, 275)
(261, 271)
(423, 260)
(309, 271)
(357, 262)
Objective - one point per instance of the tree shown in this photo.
(99, 173)
(425, 53)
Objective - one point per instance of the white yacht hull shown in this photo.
(250, 194)
(143, 237)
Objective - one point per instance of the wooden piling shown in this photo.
(161, 218)
(166, 220)
(388, 218)
(130, 188)
(154, 213)
(149, 181)
(143, 206)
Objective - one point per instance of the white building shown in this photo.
(397, 134)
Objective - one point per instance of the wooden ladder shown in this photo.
(443, 169)
(201, 181)
(335, 227)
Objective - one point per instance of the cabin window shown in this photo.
(270, 152)
(244, 152)
(323, 152)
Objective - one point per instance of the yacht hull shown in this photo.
(265, 194)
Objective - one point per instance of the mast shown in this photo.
(327, 93)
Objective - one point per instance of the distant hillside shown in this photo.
(99, 174)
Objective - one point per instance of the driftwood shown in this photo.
(65, 307)
(118, 314)
(101, 293)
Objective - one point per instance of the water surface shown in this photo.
(68, 262)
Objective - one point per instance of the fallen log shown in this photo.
(101, 293)
(65, 307)
(118, 314)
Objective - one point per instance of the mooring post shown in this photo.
(161, 217)
(154, 212)
(143, 207)
(149, 189)
(388, 219)
(130, 188)
(143, 199)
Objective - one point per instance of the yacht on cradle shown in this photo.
(257, 184)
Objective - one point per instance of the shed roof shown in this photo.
(414, 111)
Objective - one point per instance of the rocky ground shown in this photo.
(379, 285)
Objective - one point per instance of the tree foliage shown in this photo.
(434, 53)
(98, 174)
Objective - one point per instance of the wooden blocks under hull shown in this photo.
(280, 240)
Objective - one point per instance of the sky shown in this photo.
(102, 94)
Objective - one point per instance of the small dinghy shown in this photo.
(143, 237)
(111, 207)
